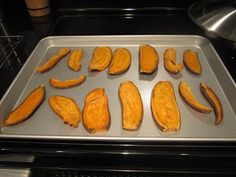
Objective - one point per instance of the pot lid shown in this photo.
(215, 16)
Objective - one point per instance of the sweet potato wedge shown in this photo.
(101, 59)
(120, 62)
(164, 107)
(148, 59)
(96, 116)
(53, 60)
(213, 99)
(191, 61)
(132, 106)
(187, 95)
(27, 107)
(170, 61)
(66, 109)
(74, 61)
(67, 83)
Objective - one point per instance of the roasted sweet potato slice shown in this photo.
(53, 60)
(94, 94)
(74, 61)
(191, 61)
(164, 107)
(101, 59)
(66, 108)
(96, 116)
(170, 61)
(27, 107)
(67, 83)
(214, 101)
(120, 62)
(148, 59)
(187, 95)
(132, 106)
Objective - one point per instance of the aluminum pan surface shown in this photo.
(45, 124)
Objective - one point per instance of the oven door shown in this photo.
(117, 159)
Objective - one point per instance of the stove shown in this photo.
(66, 158)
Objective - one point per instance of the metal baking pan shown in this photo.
(195, 126)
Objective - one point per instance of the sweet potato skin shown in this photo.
(96, 115)
(132, 106)
(27, 107)
(53, 61)
(213, 99)
(187, 95)
(66, 108)
(191, 62)
(101, 59)
(148, 59)
(164, 107)
(74, 61)
(67, 83)
(170, 61)
(120, 62)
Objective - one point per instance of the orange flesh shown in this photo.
(53, 61)
(170, 54)
(214, 101)
(96, 116)
(67, 83)
(170, 61)
(132, 106)
(66, 108)
(190, 99)
(149, 59)
(192, 62)
(94, 94)
(63, 52)
(101, 58)
(27, 107)
(74, 62)
(120, 62)
(164, 107)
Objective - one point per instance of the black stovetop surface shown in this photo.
(166, 158)
(113, 21)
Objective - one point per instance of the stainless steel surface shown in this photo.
(45, 124)
(217, 16)
(14, 172)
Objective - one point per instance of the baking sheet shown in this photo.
(195, 126)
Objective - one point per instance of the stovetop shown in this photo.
(113, 21)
